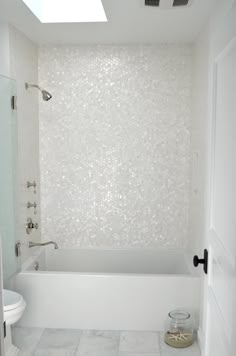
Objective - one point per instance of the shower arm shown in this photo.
(45, 94)
(27, 85)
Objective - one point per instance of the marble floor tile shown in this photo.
(54, 352)
(26, 339)
(63, 341)
(139, 341)
(138, 354)
(99, 343)
(104, 333)
(167, 350)
(58, 342)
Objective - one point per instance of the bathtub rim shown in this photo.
(100, 274)
(190, 272)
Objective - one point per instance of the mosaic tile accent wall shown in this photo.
(115, 145)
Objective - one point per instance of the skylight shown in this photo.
(58, 11)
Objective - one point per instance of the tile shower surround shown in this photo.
(115, 145)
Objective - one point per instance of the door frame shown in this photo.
(222, 39)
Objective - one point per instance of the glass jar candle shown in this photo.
(179, 329)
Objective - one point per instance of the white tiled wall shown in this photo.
(199, 138)
(24, 67)
(115, 145)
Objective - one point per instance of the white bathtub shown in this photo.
(108, 290)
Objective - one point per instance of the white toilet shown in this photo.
(14, 306)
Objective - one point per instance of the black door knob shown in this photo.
(204, 261)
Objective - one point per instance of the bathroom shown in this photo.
(116, 196)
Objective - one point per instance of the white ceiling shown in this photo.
(128, 22)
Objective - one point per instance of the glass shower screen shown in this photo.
(8, 141)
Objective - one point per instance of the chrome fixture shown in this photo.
(36, 266)
(30, 225)
(45, 94)
(17, 249)
(34, 244)
(31, 205)
(31, 184)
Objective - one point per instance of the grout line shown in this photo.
(78, 344)
(37, 344)
(119, 342)
(159, 341)
(40, 339)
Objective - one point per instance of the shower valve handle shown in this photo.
(31, 184)
(31, 205)
(30, 225)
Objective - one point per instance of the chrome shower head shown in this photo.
(45, 94)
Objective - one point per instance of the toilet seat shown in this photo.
(11, 300)
(14, 306)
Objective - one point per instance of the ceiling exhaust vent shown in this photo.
(180, 2)
(152, 2)
(167, 4)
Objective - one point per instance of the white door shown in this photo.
(221, 297)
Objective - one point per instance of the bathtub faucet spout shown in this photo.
(33, 244)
